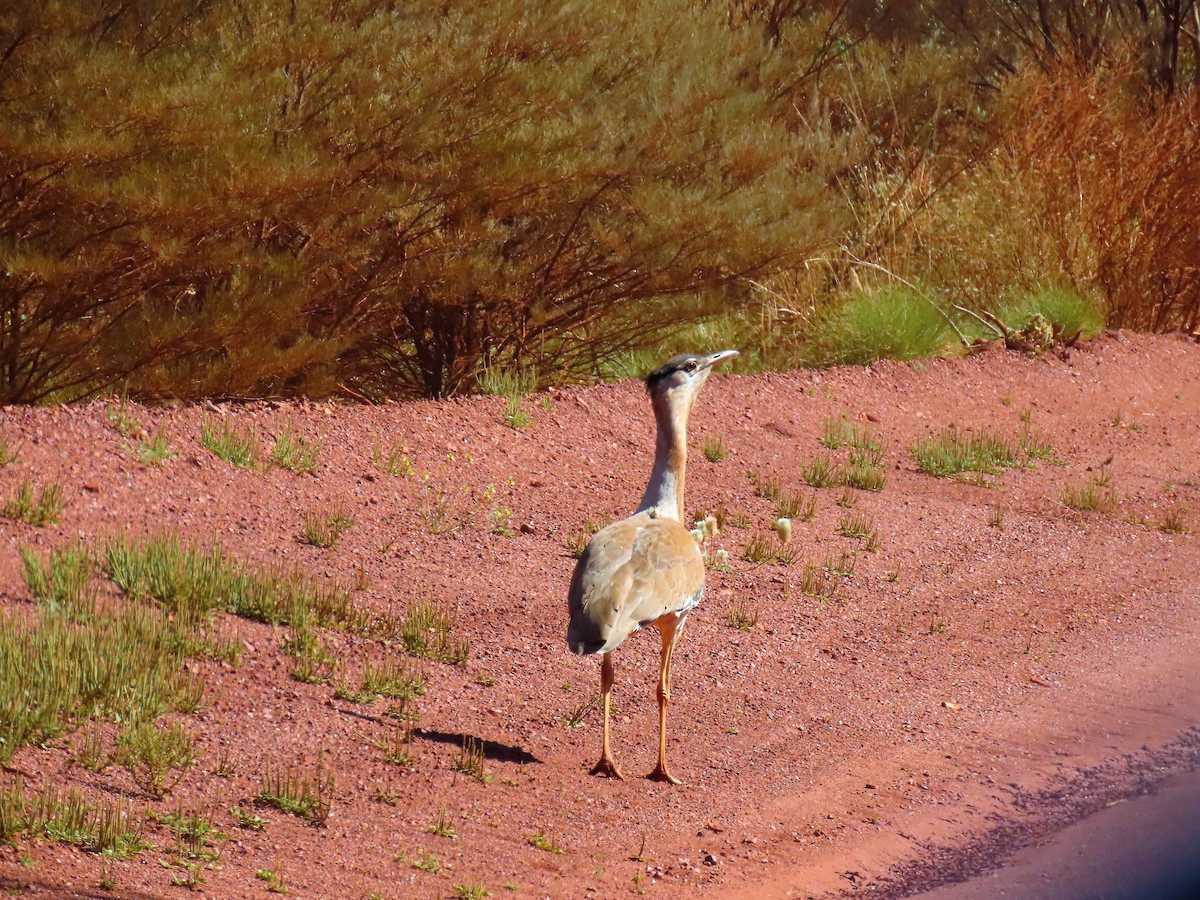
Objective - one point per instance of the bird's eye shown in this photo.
(690, 366)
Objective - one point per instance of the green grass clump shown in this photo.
(193, 583)
(864, 478)
(55, 674)
(234, 445)
(7, 453)
(304, 796)
(821, 471)
(794, 506)
(952, 451)
(154, 450)
(395, 461)
(323, 528)
(64, 582)
(889, 323)
(715, 449)
(515, 414)
(426, 632)
(38, 511)
(1090, 497)
(1069, 313)
(156, 758)
(105, 826)
(393, 679)
(742, 614)
(295, 452)
(764, 548)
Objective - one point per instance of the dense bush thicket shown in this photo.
(209, 198)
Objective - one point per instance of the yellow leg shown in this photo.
(670, 627)
(607, 765)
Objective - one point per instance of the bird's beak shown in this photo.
(720, 356)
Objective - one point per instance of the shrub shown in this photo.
(888, 323)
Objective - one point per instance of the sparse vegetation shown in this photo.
(515, 414)
(324, 527)
(952, 451)
(154, 450)
(542, 841)
(742, 614)
(273, 881)
(294, 452)
(40, 511)
(765, 548)
(715, 449)
(443, 827)
(821, 471)
(470, 760)
(864, 478)
(157, 758)
(304, 796)
(427, 632)
(1174, 521)
(238, 446)
(101, 825)
(794, 506)
(395, 461)
(1090, 496)
(8, 453)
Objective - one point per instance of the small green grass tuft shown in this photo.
(818, 582)
(996, 515)
(294, 452)
(1091, 496)
(821, 471)
(443, 827)
(273, 881)
(395, 461)
(765, 548)
(105, 826)
(248, 820)
(542, 841)
(303, 796)
(864, 478)
(236, 446)
(1174, 521)
(156, 758)
(742, 614)
(64, 582)
(426, 632)
(427, 862)
(715, 449)
(8, 453)
(40, 511)
(793, 506)
(120, 419)
(516, 416)
(323, 528)
(470, 760)
(154, 450)
(953, 451)
(470, 892)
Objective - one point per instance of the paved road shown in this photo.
(1145, 848)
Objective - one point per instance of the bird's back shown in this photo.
(633, 572)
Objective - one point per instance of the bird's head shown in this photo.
(680, 378)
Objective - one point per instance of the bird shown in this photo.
(646, 569)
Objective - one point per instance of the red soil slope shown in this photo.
(960, 670)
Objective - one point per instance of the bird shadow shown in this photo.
(493, 750)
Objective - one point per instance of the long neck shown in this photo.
(664, 493)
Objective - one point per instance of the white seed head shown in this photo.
(783, 528)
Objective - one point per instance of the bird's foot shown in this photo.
(607, 767)
(660, 773)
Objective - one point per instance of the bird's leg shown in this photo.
(670, 627)
(607, 765)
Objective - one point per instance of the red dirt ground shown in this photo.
(962, 669)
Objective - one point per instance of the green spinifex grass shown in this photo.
(99, 825)
(54, 674)
(39, 511)
(234, 445)
(64, 581)
(952, 451)
(192, 583)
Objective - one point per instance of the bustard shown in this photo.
(647, 569)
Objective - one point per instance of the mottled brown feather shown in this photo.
(632, 572)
